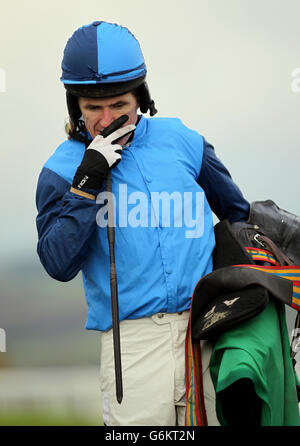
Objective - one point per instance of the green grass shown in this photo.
(40, 418)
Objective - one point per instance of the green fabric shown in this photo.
(259, 349)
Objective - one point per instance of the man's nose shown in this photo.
(106, 118)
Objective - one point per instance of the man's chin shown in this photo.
(123, 140)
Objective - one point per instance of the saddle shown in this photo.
(253, 262)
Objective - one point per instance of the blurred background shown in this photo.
(228, 69)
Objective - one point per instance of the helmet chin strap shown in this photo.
(82, 129)
(152, 108)
(146, 103)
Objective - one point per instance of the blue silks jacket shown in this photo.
(165, 187)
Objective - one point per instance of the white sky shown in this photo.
(224, 67)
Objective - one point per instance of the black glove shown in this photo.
(100, 156)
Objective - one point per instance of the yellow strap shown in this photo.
(82, 193)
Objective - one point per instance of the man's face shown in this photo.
(100, 113)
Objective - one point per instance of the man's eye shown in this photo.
(118, 105)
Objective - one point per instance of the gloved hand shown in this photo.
(100, 156)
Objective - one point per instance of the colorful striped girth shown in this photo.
(195, 410)
(195, 414)
(286, 272)
(261, 255)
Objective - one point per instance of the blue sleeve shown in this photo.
(65, 222)
(223, 195)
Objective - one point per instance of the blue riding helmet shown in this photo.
(104, 60)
